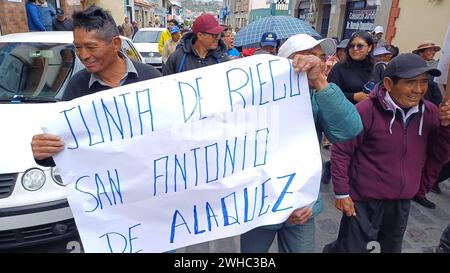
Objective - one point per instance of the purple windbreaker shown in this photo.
(387, 160)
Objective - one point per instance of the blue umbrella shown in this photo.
(283, 26)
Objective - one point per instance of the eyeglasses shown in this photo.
(358, 46)
(215, 36)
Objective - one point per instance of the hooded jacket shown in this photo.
(186, 58)
(390, 159)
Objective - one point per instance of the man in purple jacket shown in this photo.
(401, 148)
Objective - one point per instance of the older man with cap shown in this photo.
(335, 116)
(61, 23)
(427, 50)
(400, 151)
(269, 44)
(199, 48)
(171, 44)
(377, 36)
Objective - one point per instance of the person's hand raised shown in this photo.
(314, 68)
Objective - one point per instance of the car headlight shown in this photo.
(33, 179)
(154, 54)
(57, 176)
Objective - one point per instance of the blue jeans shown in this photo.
(291, 238)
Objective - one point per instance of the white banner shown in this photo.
(193, 157)
(19, 121)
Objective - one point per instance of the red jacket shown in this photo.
(390, 160)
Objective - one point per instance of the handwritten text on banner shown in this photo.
(188, 158)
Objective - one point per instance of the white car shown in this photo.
(34, 68)
(146, 41)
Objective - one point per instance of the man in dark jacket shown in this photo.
(97, 43)
(61, 23)
(201, 47)
(401, 148)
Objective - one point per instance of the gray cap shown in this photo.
(343, 43)
(409, 65)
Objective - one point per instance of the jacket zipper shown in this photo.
(405, 140)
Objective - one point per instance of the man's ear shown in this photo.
(117, 43)
(388, 83)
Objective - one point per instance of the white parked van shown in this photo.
(34, 69)
(146, 41)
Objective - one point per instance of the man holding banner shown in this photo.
(98, 45)
(335, 116)
(400, 151)
(165, 163)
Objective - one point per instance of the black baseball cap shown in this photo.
(409, 65)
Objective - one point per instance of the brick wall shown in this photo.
(13, 17)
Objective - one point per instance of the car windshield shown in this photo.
(147, 36)
(34, 70)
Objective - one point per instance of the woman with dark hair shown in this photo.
(353, 73)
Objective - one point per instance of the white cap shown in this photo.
(301, 42)
(378, 29)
